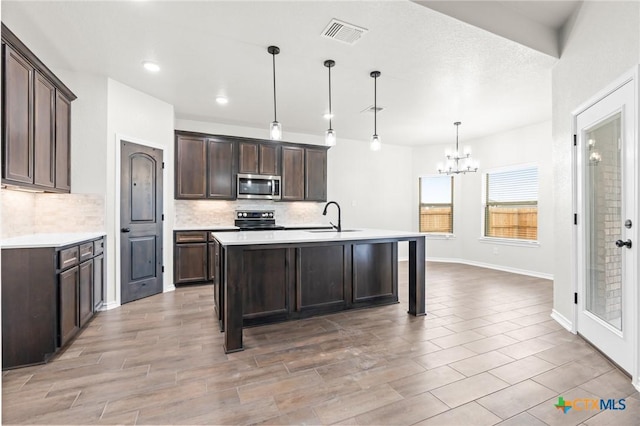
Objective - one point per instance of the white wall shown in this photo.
(142, 119)
(602, 43)
(88, 130)
(530, 144)
(373, 188)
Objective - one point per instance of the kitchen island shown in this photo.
(269, 276)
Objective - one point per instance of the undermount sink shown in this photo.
(333, 230)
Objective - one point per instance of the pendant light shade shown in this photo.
(376, 143)
(275, 129)
(330, 134)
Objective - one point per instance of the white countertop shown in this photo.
(304, 225)
(235, 228)
(49, 240)
(287, 237)
(206, 228)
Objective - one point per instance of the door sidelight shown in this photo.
(621, 243)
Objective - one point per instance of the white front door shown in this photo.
(607, 223)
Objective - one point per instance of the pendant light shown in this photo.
(330, 134)
(375, 143)
(275, 129)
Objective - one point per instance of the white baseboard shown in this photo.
(491, 266)
(562, 320)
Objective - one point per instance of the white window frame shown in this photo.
(499, 240)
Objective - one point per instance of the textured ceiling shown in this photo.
(435, 69)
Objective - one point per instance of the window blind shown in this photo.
(513, 186)
(511, 209)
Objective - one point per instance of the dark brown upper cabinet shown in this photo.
(258, 158)
(304, 174)
(221, 166)
(36, 125)
(63, 142)
(44, 131)
(292, 173)
(191, 167)
(315, 176)
(17, 135)
(205, 167)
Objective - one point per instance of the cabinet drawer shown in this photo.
(98, 246)
(191, 237)
(86, 251)
(68, 257)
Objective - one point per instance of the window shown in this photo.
(436, 204)
(511, 203)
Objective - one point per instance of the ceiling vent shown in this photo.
(344, 32)
(371, 108)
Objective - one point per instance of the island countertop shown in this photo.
(307, 236)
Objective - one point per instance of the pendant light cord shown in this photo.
(330, 113)
(275, 112)
(375, 105)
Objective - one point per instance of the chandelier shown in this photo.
(458, 162)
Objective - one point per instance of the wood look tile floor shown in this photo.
(486, 353)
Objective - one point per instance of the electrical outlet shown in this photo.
(495, 250)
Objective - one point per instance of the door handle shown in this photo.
(129, 230)
(621, 243)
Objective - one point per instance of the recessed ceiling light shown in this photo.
(151, 66)
(328, 116)
(222, 100)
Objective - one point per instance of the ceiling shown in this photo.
(436, 69)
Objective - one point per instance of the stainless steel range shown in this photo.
(256, 220)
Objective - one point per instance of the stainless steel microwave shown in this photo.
(258, 187)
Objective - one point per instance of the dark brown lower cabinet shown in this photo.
(98, 282)
(284, 283)
(322, 270)
(85, 293)
(195, 257)
(190, 263)
(29, 306)
(48, 295)
(69, 321)
(267, 288)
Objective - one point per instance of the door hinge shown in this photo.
(163, 164)
(575, 218)
(162, 268)
(575, 140)
(575, 298)
(162, 216)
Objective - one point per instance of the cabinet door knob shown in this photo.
(126, 229)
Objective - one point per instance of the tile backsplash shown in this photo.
(206, 213)
(26, 213)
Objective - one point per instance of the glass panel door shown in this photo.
(606, 237)
(603, 192)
